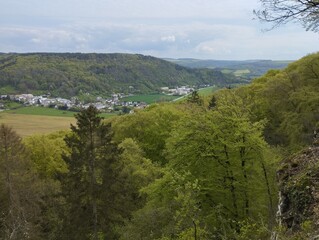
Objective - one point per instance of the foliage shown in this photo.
(149, 128)
(197, 169)
(289, 101)
(245, 70)
(46, 153)
(195, 98)
(250, 230)
(92, 154)
(169, 212)
(71, 74)
(19, 190)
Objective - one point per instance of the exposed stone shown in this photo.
(299, 192)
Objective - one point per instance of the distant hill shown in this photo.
(70, 74)
(248, 69)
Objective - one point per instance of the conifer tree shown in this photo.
(195, 98)
(87, 184)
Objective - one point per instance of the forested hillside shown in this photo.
(196, 169)
(70, 74)
(250, 68)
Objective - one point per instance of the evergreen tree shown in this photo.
(195, 98)
(87, 184)
(212, 103)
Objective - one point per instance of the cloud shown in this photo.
(40, 39)
(170, 38)
(197, 28)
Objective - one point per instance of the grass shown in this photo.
(203, 92)
(41, 111)
(241, 72)
(150, 98)
(227, 71)
(12, 105)
(26, 125)
(207, 91)
(44, 111)
(27, 121)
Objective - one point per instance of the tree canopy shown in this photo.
(202, 168)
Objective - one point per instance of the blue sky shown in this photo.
(204, 29)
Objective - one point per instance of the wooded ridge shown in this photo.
(72, 74)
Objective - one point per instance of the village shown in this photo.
(104, 105)
(74, 104)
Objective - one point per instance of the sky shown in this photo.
(202, 29)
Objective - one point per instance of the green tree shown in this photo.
(212, 103)
(195, 98)
(19, 192)
(172, 210)
(45, 153)
(224, 150)
(288, 100)
(133, 172)
(149, 128)
(87, 185)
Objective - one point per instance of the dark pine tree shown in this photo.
(212, 103)
(195, 98)
(90, 176)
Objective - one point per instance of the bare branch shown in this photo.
(279, 12)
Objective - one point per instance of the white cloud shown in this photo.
(175, 28)
(170, 38)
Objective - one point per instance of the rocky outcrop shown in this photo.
(298, 209)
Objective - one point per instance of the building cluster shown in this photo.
(178, 91)
(107, 105)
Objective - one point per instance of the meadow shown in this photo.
(26, 124)
(207, 91)
(150, 98)
(41, 111)
(27, 121)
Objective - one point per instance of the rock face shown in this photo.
(298, 209)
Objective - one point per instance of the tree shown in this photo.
(171, 212)
(289, 100)
(224, 150)
(212, 102)
(280, 12)
(19, 195)
(149, 128)
(87, 185)
(45, 153)
(195, 98)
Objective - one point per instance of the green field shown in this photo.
(41, 111)
(26, 125)
(207, 91)
(44, 111)
(241, 72)
(39, 120)
(150, 98)
(153, 98)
